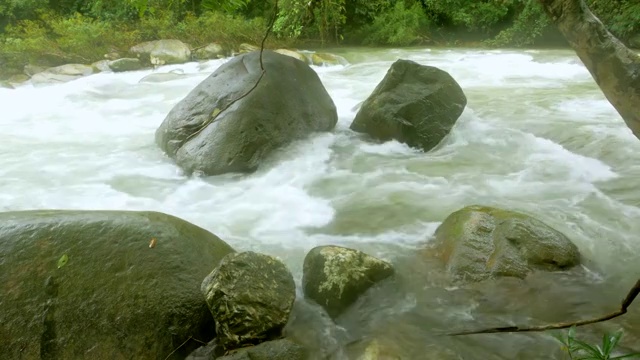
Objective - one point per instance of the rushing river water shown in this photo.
(537, 136)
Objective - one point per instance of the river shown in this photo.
(536, 136)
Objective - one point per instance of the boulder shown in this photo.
(62, 73)
(161, 77)
(103, 284)
(294, 54)
(224, 126)
(101, 66)
(334, 276)
(414, 104)
(125, 64)
(31, 70)
(211, 51)
(162, 52)
(282, 349)
(250, 296)
(247, 48)
(326, 59)
(479, 242)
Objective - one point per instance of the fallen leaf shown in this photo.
(63, 261)
(152, 243)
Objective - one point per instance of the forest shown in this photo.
(55, 32)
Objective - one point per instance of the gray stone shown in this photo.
(250, 296)
(161, 77)
(101, 66)
(282, 349)
(62, 73)
(415, 104)
(162, 52)
(228, 124)
(211, 51)
(125, 64)
(103, 284)
(479, 242)
(334, 276)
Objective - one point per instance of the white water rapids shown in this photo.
(537, 136)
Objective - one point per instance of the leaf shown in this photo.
(63, 261)
(153, 243)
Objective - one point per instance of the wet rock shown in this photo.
(162, 52)
(17, 79)
(161, 77)
(379, 348)
(335, 276)
(31, 70)
(101, 66)
(62, 73)
(415, 104)
(250, 296)
(5, 85)
(282, 349)
(125, 64)
(114, 55)
(103, 284)
(479, 242)
(223, 126)
(293, 54)
(211, 51)
(247, 48)
(326, 59)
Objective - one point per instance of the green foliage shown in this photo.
(529, 24)
(580, 350)
(622, 17)
(228, 6)
(479, 15)
(400, 26)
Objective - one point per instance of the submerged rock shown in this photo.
(250, 296)
(161, 77)
(282, 349)
(224, 126)
(335, 276)
(414, 104)
(479, 242)
(162, 52)
(103, 284)
(125, 64)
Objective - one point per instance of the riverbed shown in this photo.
(537, 136)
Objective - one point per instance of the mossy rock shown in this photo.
(103, 284)
(478, 242)
(334, 276)
(125, 64)
(250, 296)
(282, 349)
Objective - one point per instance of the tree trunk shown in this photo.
(614, 67)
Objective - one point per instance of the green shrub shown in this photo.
(400, 26)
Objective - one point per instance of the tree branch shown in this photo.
(633, 293)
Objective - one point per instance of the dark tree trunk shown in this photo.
(614, 67)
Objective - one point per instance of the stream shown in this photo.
(537, 136)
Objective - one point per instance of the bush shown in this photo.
(400, 26)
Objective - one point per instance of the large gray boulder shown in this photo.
(335, 276)
(62, 73)
(478, 242)
(162, 52)
(103, 285)
(414, 104)
(250, 296)
(224, 126)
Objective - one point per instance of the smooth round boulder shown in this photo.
(250, 296)
(479, 242)
(210, 51)
(103, 284)
(230, 124)
(162, 52)
(125, 64)
(335, 276)
(414, 104)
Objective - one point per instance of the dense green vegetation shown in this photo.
(60, 31)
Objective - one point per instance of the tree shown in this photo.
(614, 67)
